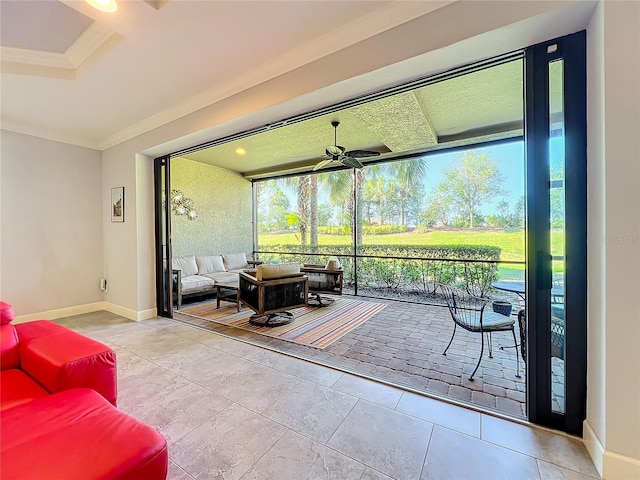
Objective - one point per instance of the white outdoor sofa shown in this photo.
(198, 275)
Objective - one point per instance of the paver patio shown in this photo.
(403, 345)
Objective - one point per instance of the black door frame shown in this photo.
(164, 276)
(572, 50)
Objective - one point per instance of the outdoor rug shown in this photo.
(313, 326)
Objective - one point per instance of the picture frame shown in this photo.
(117, 205)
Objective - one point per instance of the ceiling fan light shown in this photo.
(104, 5)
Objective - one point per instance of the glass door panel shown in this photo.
(557, 233)
(164, 277)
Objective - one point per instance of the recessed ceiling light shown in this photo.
(104, 5)
(240, 151)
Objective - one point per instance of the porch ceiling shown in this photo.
(480, 105)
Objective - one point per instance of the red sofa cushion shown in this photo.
(17, 387)
(6, 313)
(78, 435)
(9, 347)
(59, 359)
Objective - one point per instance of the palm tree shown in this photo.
(409, 175)
(302, 186)
(341, 185)
(313, 206)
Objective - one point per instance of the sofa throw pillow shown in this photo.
(186, 264)
(234, 261)
(210, 264)
(277, 270)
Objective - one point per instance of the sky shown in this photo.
(509, 158)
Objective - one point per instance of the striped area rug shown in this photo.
(313, 326)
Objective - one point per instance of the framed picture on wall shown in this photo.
(117, 204)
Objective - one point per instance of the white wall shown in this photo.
(223, 201)
(613, 408)
(51, 224)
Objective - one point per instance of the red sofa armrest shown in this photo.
(59, 359)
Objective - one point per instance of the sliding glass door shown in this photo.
(555, 135)
(164, 282)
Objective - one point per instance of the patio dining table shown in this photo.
(557, 314)
(518, 287)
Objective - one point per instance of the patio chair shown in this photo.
(271, 290)
(469, 312)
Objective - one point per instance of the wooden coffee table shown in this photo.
(229, 292)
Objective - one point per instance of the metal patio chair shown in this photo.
(469, 312)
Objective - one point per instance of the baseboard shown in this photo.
(122, 311)
(620, 467)
(610, 465)
(593, 445)
(61, 312)
(147, 314)
(88, 308)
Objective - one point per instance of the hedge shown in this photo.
(419, 269)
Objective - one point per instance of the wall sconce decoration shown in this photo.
(181, 205)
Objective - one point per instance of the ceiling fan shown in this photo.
(336, 155)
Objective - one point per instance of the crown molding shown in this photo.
(94, 42)
(88, 43)
(47, 135)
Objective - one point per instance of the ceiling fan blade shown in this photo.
(322, 164)
(351, 162)
(334, 150)
(361, 153)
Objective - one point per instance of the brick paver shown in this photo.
(403, 344)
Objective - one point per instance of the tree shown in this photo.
(306, 187)
(278, 207)
(440, 208)
(472, 181)
(313, 206)
(409, 175)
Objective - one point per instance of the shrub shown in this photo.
(416, 268)
(383, 229)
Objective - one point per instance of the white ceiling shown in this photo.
(74, 74)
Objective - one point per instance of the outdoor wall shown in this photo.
(223, 202)
(51, 222)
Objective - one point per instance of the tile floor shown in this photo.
(234, 410)
(403, 344)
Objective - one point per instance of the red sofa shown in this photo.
(57, 409)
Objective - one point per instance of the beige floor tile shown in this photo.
(311, 409)
(183, 410)
(558, 449)
(227, 446)
(441, 413)
(293, 366)
(453, 455)
(389, 441)
(256, 386)
(177, 473)
(295, 457)
(371, 474)
(369, 390)
(549, 471)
